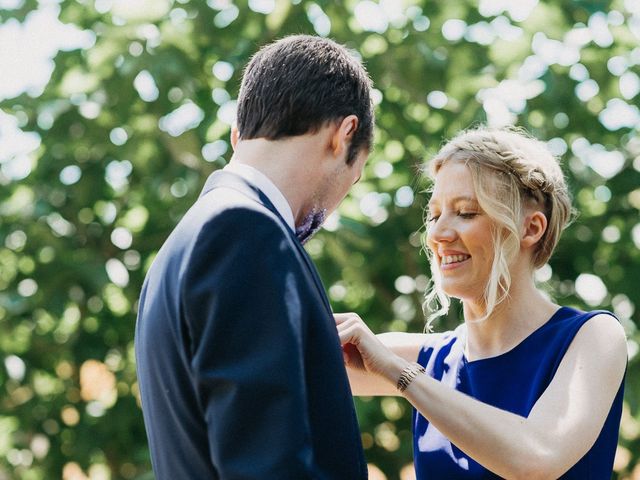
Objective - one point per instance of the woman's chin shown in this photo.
(460, 292)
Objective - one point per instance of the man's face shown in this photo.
(338, 182)
(332, 189)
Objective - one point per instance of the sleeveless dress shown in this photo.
(512, 381)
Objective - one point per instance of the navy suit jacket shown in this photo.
(239, 363)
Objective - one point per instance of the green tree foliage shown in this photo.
(116, 146)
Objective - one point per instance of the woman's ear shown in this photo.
(535, 224)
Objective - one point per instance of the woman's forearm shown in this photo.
(405, 345)
(503, 442)
(511, 450)
(364, 384)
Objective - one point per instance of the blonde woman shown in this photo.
(524, 388)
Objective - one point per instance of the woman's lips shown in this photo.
(448, 262)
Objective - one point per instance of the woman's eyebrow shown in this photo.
(454, 200)
(464, 198)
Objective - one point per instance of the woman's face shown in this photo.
(459, 234)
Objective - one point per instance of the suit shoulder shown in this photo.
(253, 224)
(240, 237)
(239, 249)
(228, 211)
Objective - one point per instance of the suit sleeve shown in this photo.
(243, 308)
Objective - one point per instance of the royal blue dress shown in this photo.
(512, 381)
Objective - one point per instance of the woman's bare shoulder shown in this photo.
(602, 333)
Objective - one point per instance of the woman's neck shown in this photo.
(520, 314)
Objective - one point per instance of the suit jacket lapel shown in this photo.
(314, 273)
(229, 180)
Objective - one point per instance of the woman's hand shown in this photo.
(363, 351)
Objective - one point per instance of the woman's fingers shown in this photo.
(352, 357)
(357, 340)
(349, 333)
(353, 330)
(343, 317)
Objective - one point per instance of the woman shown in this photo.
(523, 388)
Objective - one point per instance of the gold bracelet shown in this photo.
(408, 374)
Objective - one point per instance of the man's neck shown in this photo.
(286, 163)
(267, 187)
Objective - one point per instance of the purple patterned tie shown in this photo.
(310, 225)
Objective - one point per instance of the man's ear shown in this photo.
(535, 224)
(235, 136)
(343, 135)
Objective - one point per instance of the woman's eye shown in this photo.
(467, 214)
(432, 218)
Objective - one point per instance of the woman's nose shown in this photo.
(441, 230)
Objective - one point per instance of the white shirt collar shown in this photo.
(262, 182)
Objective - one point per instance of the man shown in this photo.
(240, 367)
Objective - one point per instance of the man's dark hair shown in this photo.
(298, 84)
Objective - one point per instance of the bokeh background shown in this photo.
(113, 113)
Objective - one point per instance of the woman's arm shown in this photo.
(562, 426)
(364, 383)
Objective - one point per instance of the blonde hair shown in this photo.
(510, 170)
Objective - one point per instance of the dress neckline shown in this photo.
(463, 339)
